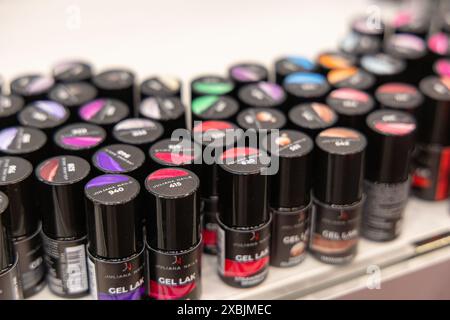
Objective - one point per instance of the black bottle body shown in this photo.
(431, 164)
(67, 274)
(335, 231)
(383, 209)
(10, 285)
(174, 275)
(243, 254)
(31, 263)
(117, 279)
(290, 235)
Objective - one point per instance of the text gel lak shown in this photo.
(173, 235)
(391, 137)
(338, 192)
(290, 199)
(10, 284)
(243, 236)
(115, 246)
(62, 180)
(17, 182)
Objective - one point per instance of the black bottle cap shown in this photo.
(351, 77)
(434, 117)
(399, 96)
(384, 67)
(351, 105)
(73, 95)
(61, 187)
(32, 87)
(290, 64)
(112, 220)
(25, 142)
(17, 182)
(169, 111)
(104, 112)
(405, 46)
(331, 60)
(214, 137)
(7, 257)
(211, 85)
(391, 137)
(312, 117)
(173, 217)
(45, 115)
(161, 86)
(245, 73)
(261, 119)
(212, 107)
(117, 84)
(339, 166)
(138, 132)
(304, 87)
(291, 186)
(10, 106)
(175, 153)
(72, 71)
(441, 67)
(366, 25)
(439, 44)
(262, 95)
(119, 158)
(243, 198)
(80, 139)
(358, 44)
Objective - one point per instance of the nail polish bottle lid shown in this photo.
(113, 223)
(214, 137)
(17, 182)
(73, 94)
(339, 166)
(364, 25)
(72, 71)
(245, 73)
(434, 127)
(120, 158)
(10, 106)
(6, 250)
(350, 104)
(312, 117)
(114, 79)
(32, 86)
(161, 86)
(61, 189)
(399, 96)
(103, 112)
(260, 119)
(25, 142)
(138, 132)
(291, 186)
(391, 137)
(44, 115)
(331, 60)
(211, 85)
(262, 95)
(211, 107)
(243, 198)
(175, 153)
(173, 216)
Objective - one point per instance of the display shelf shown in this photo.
(422, 220)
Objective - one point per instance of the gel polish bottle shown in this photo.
(32, 87)
(17, 182)
(115, 246)
(169, 111)
(10, 284)
(432, 155)
(391, 137)
(160, 86)
(10, 106)
(173, 235)
(338, 192)
(61, 182)
(213, 136)
(243, 236)
(290, 198)
(118, 84)
(217, 108)
(211, 85)
(247, 73)
(72, 71)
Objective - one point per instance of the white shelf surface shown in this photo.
(422, 220)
